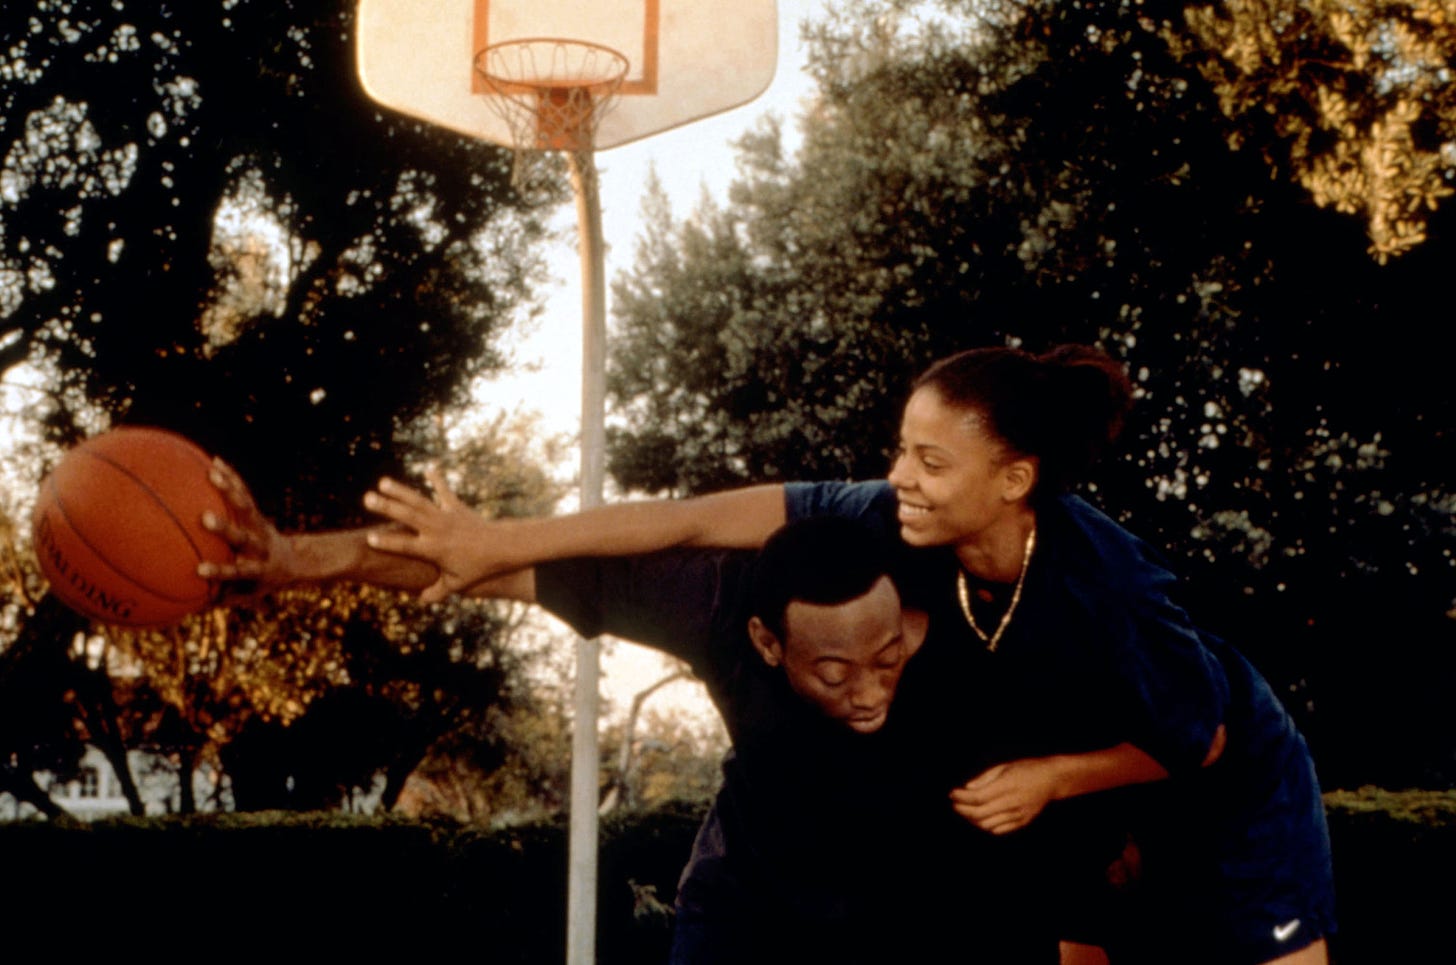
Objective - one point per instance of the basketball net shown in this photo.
(551, 93)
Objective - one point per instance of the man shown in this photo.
(801, 649)
(826, 840)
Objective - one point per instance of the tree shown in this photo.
(209, 226)
(55, 693)
(39, 730)
(929, 210)
(663, 756)
(309, 697)
(1354, 100)
(621, 790)
(205, 224)
(1030, 173)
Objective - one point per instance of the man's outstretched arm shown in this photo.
(266, 560)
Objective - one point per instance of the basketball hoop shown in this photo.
(551, 93)
(657, 64)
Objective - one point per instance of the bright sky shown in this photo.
(547, 356)
(688, 160)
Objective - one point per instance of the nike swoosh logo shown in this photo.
(1282, 933)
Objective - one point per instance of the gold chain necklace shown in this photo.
(965, 595)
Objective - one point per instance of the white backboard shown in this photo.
(687, 59)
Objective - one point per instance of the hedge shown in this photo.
(339, 884)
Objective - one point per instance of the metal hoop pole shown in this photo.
(551, 110)
(581, 898)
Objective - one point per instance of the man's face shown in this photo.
(847, 658)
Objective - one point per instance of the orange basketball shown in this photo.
(118, 528)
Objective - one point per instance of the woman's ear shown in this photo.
(765, 642)
(1020, 477)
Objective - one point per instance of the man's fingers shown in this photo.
(214, 523)
(224, 476)
(241, 569)
(237, 537)
(231, 485)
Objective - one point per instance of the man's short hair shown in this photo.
(823, 560)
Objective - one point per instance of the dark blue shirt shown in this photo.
(839, 845)
(1098, 653)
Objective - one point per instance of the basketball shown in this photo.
(118, 527)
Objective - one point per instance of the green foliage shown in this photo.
(207, 225)
(1358, 96)
(1428, 809)
(1031, 173)
(513, 764)
(1393, 853)
(315, 878)
(41, 721)
(346, 884)
(930, 207)
(672, 756)
(307, 697)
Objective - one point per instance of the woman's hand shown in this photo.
(443, 532)
(262, 557)
(1009, 796)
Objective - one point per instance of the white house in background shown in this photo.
(96, 793)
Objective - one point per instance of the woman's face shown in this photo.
(954, 479)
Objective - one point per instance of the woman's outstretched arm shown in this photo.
(466, 547)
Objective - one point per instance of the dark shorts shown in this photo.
(1229, 936)
(910, 939)
(722, 919)
(1250, 888)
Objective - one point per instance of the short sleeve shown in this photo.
(872, 503)
(1176, 687)
(1168, 689)
(672, 601)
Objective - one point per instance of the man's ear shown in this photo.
(916, 625)
(1020, 476)
(765, 642)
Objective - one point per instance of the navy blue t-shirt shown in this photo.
(843, 843)
(1099, 653)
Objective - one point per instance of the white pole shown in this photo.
(581, 890)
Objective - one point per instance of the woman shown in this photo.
(1064, 662)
